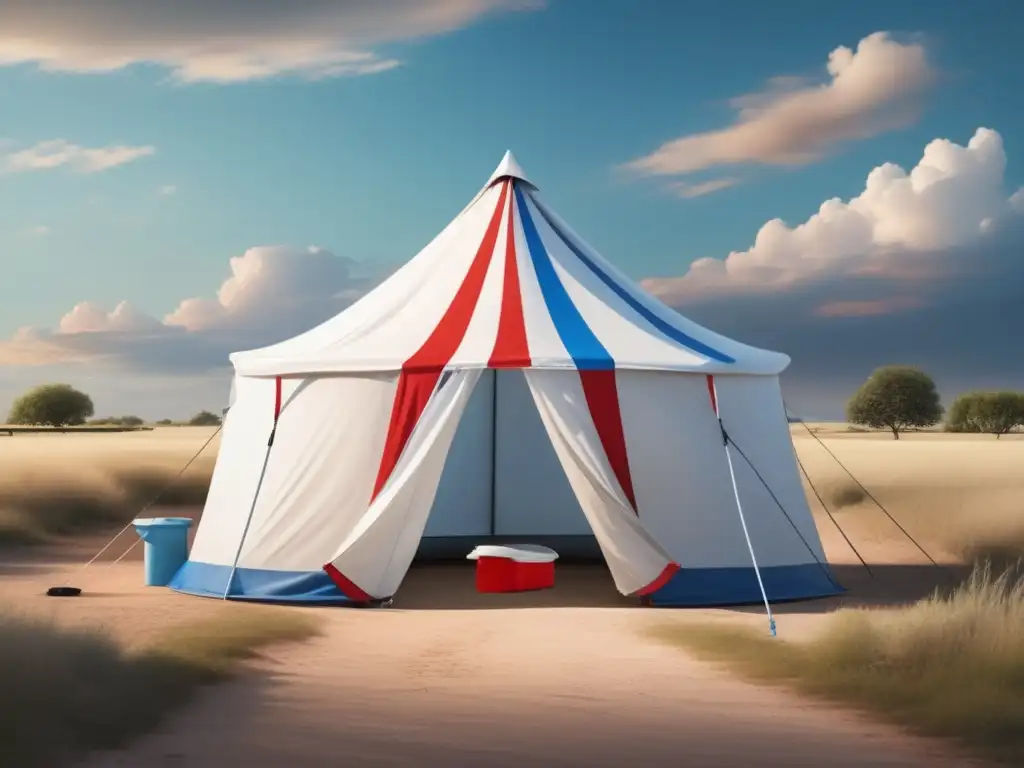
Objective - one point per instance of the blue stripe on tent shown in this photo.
(666, 328)
(692, 587)
(583, 346)
(208, 580)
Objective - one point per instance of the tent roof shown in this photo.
(507, 284)
(508, 168)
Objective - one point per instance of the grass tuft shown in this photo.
(848, 495)
(70, 691)
(950, 665)
(37, 507)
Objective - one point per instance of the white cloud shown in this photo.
(950, 199)
(167, 190)
(700, 189)
(1017, 200)
(86, 317)
(792, 122)
(57, 153)
(273, 292)
(228, 40)
(40, 230)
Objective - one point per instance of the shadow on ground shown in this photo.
(451, 586)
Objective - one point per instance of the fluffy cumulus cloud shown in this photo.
(889, 233)
(273, 292)
(922, 267)
(794, 121)
(228, 40)
(60, 153)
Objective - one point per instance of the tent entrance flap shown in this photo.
(580, 412)
(374, 558)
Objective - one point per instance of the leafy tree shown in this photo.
(204, 419)
(895, 397)
(55, 405)
(959, 418)
(997, 412)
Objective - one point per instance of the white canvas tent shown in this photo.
(507, 380)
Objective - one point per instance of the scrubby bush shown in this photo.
(205, 419)
(118, 421)
(950, 665)
(68, 691)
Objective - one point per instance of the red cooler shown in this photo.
(513, 567)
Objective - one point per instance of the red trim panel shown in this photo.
(711, 393)
(603, 400)
(347, 587)
(663, 578)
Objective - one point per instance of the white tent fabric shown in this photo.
(634, 558)
(380, 548)
(365, 409)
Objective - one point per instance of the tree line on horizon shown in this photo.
(894, 397)
(61, 405)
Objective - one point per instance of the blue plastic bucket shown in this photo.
(166, 542)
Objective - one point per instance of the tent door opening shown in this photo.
(502, 481)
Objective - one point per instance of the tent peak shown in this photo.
(509, 168)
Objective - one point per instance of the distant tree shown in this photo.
(165, 422)
(55, 405)
(205, 419)
(118, 421)
(895, 397)
(997, 413)
(959, 418)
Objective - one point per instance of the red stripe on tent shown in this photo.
(277, 398)
(421, 371)
(711, 392)
(603, 399)
(347, 587)
(411, 397)
(663, 578)
(510, 347)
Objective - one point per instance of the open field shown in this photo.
(958, 494)
(451, 677)
(55, 484)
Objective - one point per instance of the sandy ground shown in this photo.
(449, 677)
(564, 677)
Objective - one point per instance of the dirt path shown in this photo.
(546, 686)
(450, 678)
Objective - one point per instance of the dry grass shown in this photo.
(950, 665)
(959, 495)
(57, 485)
(67, 691)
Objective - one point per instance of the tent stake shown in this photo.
(739, 508)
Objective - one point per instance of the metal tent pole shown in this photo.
(259, 486)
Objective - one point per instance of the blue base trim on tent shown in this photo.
(692, 587)
(255, 584)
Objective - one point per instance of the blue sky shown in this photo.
(371, 166)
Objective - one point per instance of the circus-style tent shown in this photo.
(508, 381)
